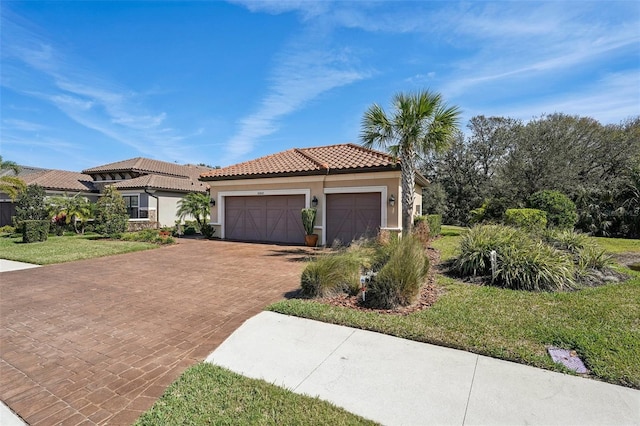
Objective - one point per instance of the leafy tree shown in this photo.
(111, 213)
(196, 205)
(11, 185)
(419, 123)
(456, 172)
(74, 210)
(30, 204)
(561, 211)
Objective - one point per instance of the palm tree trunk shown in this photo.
(408, 184)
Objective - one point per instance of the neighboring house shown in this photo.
(54, 182)
(151, 188)
(357, 191)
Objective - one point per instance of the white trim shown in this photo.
(352, 190)
(220, 201)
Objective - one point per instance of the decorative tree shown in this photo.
(75, 210)
(30, 204)
(111, 213)
(196, 205)
(11, 185)
(419, 124)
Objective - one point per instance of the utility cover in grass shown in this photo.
(568, 358)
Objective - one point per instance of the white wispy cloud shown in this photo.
(303, 72)
(610, 100)
(38, 68)
(22, 125)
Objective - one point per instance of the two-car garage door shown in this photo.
(272, 218)
(276, 218)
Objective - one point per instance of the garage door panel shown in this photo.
(351, 216)
(272, 218)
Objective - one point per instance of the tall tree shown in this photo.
(196, 205)
(10, 185)
(418, 124)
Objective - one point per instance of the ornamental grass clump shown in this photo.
(476, 246)
(399, 281)
(550, 261)
(331, 274)
(534, 266)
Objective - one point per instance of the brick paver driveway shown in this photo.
(98, 341)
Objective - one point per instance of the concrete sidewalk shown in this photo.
(12, 265)
(396, 381)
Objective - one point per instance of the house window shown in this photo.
(131, 202)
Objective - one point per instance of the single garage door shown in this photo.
(270, 218)
(351, 216)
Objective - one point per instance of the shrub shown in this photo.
(593, 257)
(534, 267)
(421, 230)
(435, 224)
(7, 229)
(400, 279)
(530, 219)
(476, 246)
(208, 230)
(189, 229)
(35, 230)
(567, 240)
(147, 236)
(561, 211)
(111, 213)
(331, 274)
(308, 220)
(30, 206)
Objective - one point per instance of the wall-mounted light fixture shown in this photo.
(392, 200)
(212, 201)
(314, 201)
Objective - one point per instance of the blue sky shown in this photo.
(88, 83)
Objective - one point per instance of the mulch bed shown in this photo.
(428, 294)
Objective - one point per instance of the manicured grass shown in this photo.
(206, 394)
(618, 245)
(447, 244)
(65, 249)
(602, 324)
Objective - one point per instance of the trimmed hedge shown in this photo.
(561, 211)
(35, 230)
(531, 219)
(435, 224)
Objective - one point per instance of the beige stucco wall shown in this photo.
(387, 183)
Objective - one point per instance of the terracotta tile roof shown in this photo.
(307, 161)
(163, 182)
(147, 165)
(60, 180)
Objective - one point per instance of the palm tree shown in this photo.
(11, 185)
(74, 210)
(419, 123)
(195, 204)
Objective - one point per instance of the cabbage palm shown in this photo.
(11, 185)
(195, 204)
(418, 124)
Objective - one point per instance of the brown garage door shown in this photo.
(351, 216)
(272, 218)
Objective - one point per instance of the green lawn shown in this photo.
(602, 324)
(65, 249)
(206, 394)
